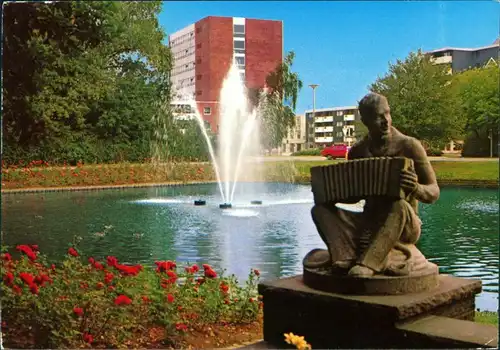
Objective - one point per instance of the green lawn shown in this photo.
(487, 317)
(481, 171)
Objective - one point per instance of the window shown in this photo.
(242, 76)
(339, 134)
(198, 46)
(239, 44)
(239, 31)
(198, 77)
(339, 113)
(207, 111)
(240, 60)
(339, 123)
(198, 30)
(198, 93)
(198, 60)
(239, 28)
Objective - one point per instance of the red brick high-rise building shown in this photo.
(203, 53)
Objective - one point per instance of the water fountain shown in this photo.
(238, 135)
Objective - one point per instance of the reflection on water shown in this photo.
(460, 231)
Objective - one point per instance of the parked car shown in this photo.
(335, 151)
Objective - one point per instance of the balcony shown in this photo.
(442, 59)
(348, 117)
(327, 119)
(323, 129)
(323, 139)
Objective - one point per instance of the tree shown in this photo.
(477, 95)
(81, 79)
(421, 101)
(278, 102)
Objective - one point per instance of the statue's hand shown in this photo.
(409, 181)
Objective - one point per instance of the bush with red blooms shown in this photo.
(102, 302)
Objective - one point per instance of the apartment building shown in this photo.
(296, 137)
(335, 125)
(204, 51)
(460, 59)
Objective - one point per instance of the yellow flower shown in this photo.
(298, 341)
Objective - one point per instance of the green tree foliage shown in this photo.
(82, 80)
(422, 103)
(477, 96)
(278, 102)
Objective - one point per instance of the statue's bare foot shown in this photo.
(361, 271)
(343, 264)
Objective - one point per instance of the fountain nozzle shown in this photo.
(225, 206)
(200, 202)
(256, 202)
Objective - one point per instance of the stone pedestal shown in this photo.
(331, 320)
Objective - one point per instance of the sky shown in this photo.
(344, 46)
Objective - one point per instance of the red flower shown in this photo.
(206, 267)
(8, 278)
(129, 270)
(27, 278)
(170, 298)
(17, 289)
(145, 299)
(210, 273)
(28, 251)
(98, 265)
(122, 300)
(200, 280)
(256, 272)
(181, 327)
(78, 311)
(72, 251)
(112, 261)
(91, 260)
(193, 269)
(172, 274)
(224, 287)
(99, 285)
(84, 285)
(6, 257)
(108, 277)
(111, 288)
(163, 266)
(34, 247)
(34, 288)
(88, 338)
(53, 267)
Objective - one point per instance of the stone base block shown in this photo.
(330, 320)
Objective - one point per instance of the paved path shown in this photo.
(319, 158)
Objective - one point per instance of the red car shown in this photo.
(335, 151)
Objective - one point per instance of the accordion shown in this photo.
(359, 178)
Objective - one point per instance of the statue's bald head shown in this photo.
(375, 113)
(371, 103)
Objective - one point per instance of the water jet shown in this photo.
(225, 206)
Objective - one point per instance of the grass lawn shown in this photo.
(487, 317)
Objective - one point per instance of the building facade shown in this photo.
(296, 137)
(459, 59)
(334, 125)
(204, 51)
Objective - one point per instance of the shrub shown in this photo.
(79, 303)
(308, 152)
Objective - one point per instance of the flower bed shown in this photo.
(107, 304)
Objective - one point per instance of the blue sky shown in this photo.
(344, 46)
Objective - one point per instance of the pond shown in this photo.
(460, 231)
